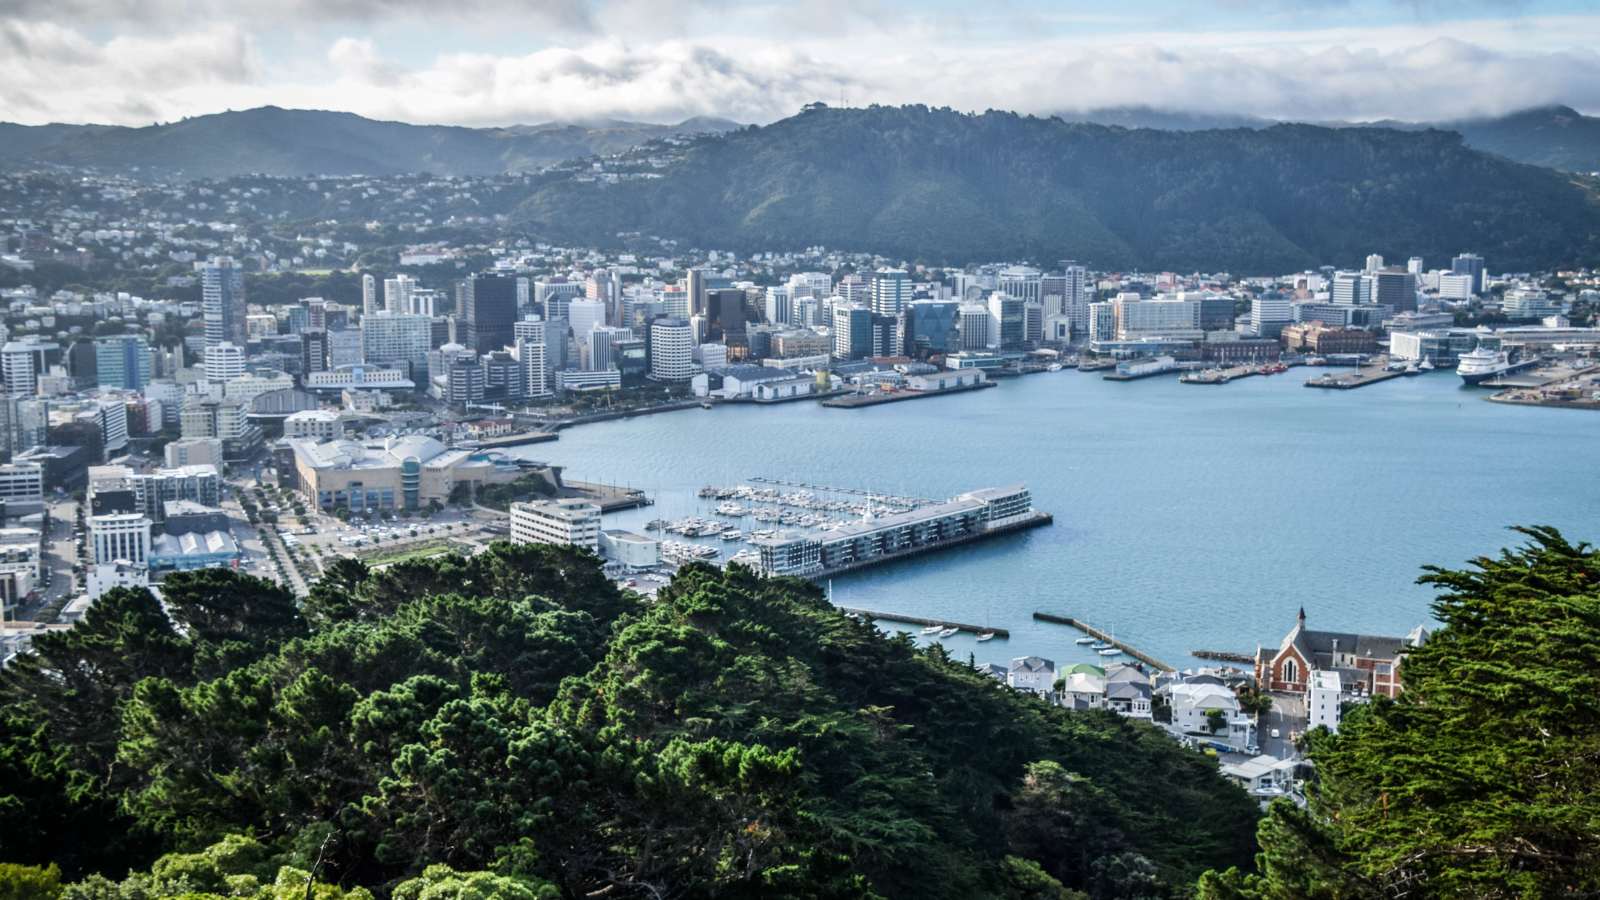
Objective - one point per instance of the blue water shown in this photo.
(1186, 516)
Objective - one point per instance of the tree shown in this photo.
(29, 882)
(1216, 720)
(1481, 779)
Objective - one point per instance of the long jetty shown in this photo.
(919, 620)
(1095, 632)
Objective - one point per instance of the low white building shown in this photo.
(1263, 774)
(194, 452)
(1192, 705)
(942, 381)
(117, 573)
(634, 550)
(1322, 700)
(1032, 673)
(321, 424)
(556, 522)
(120, 536)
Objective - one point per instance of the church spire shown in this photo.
(1301, 620)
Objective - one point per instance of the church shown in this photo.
(1366, 664)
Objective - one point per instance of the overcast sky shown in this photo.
(498, 62)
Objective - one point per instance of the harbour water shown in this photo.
(1186, 517)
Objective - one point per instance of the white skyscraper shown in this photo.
(671, 350)
(397, 294)
(22, 362)
(531, 352)
(585, 315)
(224, 362)
(369, 295)
(1374, 263)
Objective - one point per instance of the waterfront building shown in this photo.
(223, 303)
(579, 380)
(1102, 322)
(930, 328)
(122, 361)
(1168, 318)
(1269, 312)
(563, 522)
(464, 382)
(395, 473)
(671, 350)
(862, 543)
(1319, 339)
(1007, 328)
(635, 551)
(1526, 304)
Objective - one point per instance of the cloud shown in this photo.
(55, 73)
(566, 15)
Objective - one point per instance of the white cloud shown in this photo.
(55, 73)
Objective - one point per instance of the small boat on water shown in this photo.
(733, 535)
(948, 632)
(986, 636)
(1426, 365)
(1053, 367)
(1412, 370)
(1086, 640)
(1111, 652)
(933, 629)
(1101, 645)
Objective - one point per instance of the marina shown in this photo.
(1105, 641)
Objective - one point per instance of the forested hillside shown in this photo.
(513, 726)
(953, 188)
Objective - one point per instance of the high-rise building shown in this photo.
(1102, 321)
(852, 289)
(695, 287)
(23, 361)
(671, 350)
(1021, 282)
(223, 363)
(1077, 294)
(1269, 313)
(390, 339)
(124, 536)
(777, 309)
(585, 315)
(122, 361)
(1374, 264)
(891, 290)
(1414, 266)
(601, 351)
(369, 295)
(1352, 288)
(1138, 318)
(222, 302)
(530, 351)
(313, 351)
(397, 294)
(550, 298)
(344, 347)
(725, 313)
(489, 309)
(1397, 288)
(930, 328)
(973, 324)
(852, 332)
(1471, 264)
(1007, 330)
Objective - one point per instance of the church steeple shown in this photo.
(1301, 620)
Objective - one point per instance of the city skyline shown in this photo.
(495, 63)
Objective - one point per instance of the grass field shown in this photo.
(384, 556)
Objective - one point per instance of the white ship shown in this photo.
(1483, 364)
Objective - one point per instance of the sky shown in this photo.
(502, 62)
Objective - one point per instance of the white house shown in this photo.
(1322, 700)
(1192, 704)
(1032, 673)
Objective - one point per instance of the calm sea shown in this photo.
(1187, 517)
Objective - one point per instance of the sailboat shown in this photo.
(1109, 649)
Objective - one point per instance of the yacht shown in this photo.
(933, 629)
(949, 632)
(1483, 364)
(1086, 640)
(1426, 365)
(1101, 645)
(1111, 651)
(986, 636)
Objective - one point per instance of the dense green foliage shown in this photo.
(1483, 778)
(952, 188)
(1556, 136)
(514, 726)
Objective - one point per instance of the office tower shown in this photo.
(601, 351)
(222, 302)
(972, 323)
(397, 294)
(1020, 282)
(23, 361)
(725, 313)
(671, 350)
(890, 291)
(1374, 264)
(1269, 313)
(489, 309)
(585, 315)
(805, 313)
(1397, 288)
(1006, 326)
(1415, 266)
(1471, 264)
(224, 362)
(852, 289)
(524, 294)
(313, 351)
(531, 351)
(550, 298)
(1352, 288)
(423, 301)
(930, 328)
(675, 302)
(1077, 294)
(815, 285)
(1102, 321)
(852, 332)
(344, 347)
(603, 286)
(369, 295)
(122, 361)
(389, 339)
(695, 287)
(776, 308)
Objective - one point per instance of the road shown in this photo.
(1288, 717)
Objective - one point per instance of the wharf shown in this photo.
(918, 620)
(852, 401)
(1095, 632)
(608, 497)
(517, 440)
(1538, 378)
(1096, 366)
(1115, 377)
(1359, 378)
(1223, 656)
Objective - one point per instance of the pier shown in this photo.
(517, 440)
(1095, 632)
(850, 401)
(1359, 378)
(918, 620)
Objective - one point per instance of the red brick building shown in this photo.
(1366, 664)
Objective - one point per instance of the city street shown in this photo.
(1288, 717)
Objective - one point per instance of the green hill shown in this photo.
(273, 141)
(1556, 136)
(953, 188)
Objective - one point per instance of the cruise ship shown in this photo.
(1483, 364)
